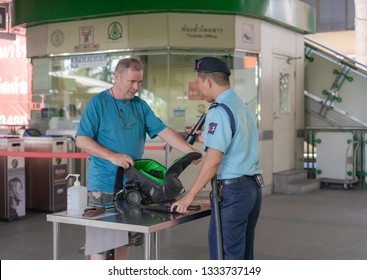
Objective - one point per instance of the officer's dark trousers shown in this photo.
(239, 209)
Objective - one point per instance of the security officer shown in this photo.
(232, 153)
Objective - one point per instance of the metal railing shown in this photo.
(312, 46)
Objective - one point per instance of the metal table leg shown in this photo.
(156, 241)
(56, 240)
(147, 246)
(151, 240)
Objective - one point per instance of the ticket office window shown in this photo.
(168, 85)
(186, 104)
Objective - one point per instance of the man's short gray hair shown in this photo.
(129, 63)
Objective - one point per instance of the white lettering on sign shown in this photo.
(201, 31)
(13, 120)
(13, 87)
(15, 50)
(84, 61)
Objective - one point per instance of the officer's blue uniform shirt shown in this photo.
(240, 154)
(120, 126)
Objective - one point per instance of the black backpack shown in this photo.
(150, 182)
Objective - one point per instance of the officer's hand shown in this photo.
(182, 204)
(199, 138)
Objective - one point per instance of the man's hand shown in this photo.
(93, 148)
(125, 161)
(197, 161)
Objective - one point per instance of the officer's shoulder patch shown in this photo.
(212, 127)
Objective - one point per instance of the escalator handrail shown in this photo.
(336, 55)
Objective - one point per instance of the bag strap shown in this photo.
(229, 112)
(120, 172)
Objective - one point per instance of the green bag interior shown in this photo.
(145, 166)
(158, 173)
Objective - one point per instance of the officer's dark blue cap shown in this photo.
(212, 64)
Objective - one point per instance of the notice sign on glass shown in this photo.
(2, 18)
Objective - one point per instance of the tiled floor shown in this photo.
(330, 224)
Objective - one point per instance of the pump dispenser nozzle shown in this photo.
(76, 183)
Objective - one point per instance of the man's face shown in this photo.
(129, 82)
(203, 88)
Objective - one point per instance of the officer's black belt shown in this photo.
(236, 180)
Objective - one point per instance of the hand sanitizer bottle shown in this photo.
(77, 197)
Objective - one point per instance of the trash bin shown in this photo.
(12, 180)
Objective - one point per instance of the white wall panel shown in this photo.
(334, 155)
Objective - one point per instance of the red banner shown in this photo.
(15, 82)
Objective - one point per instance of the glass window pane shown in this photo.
(245, 78)
(350, 14)
(333, 15)
(65, 87)
(186, 104)
(284, 104)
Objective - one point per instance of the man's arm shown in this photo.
(90, 146)
(207, 171)
(172, 138)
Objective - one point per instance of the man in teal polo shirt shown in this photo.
(113, 131)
